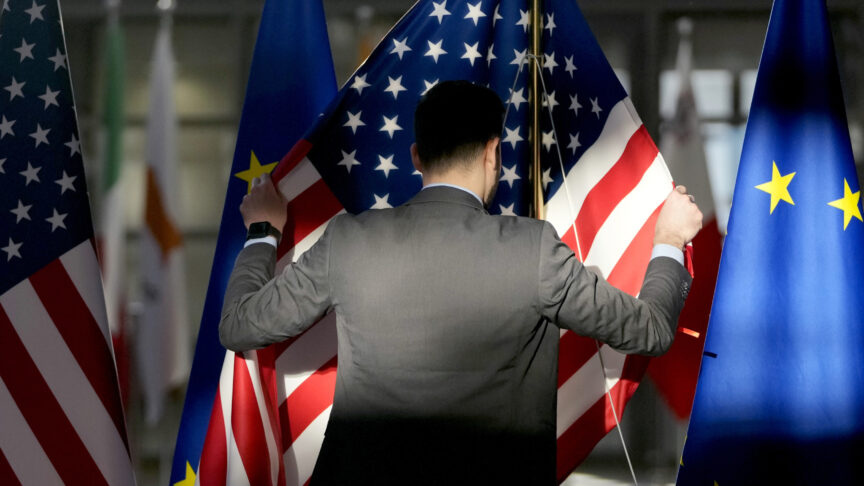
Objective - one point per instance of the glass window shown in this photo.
(205, 154)
(623, 78)
(711, 87)
(747, 83)
(723, 143)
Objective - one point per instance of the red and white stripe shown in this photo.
(610, 199)
(272, 405)
(60, 412)
(616, 191)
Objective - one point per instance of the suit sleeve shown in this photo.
(259, 310)
(577, 299)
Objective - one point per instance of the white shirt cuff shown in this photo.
(271, 240)
(662, 249)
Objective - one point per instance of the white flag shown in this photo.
(676, 372)
(681, 143)
(162, 344)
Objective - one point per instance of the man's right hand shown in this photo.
(679, 220)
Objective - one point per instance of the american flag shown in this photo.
(356, 157)
(60, 411)
(614, 183)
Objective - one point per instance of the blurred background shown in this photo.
(213, 43)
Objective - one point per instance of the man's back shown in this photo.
(444, 360)
(446, 336)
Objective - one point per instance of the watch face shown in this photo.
(258, 230)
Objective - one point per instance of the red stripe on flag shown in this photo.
(307, 402)
(43, 413)
(638, 155)
(631, 375)
(247, 426)
(82, 335)
(213, 469)
(676, 372)
(7, 475)
(569, 239)
(306, 213)
(280, 347)
(267, 374)
(579, 439)
(291, 159)
(629, 271)
(574, 351)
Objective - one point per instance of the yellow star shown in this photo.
(778, 187)
(682, 449)
(255, 170)
(189, 480)
(848, 204)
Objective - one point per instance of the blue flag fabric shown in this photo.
(36, 129)
(361, 146)
(290, 81)
(780, 398)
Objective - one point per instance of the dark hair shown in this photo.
(453, 122)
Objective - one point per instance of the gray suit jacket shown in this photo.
(446, 331)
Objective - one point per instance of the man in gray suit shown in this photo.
(447, 317)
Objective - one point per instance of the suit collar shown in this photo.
(454, 186)
(447, 195)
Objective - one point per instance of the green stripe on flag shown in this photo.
(113, 108)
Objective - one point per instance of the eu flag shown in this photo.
(780, 398)
(290, 80)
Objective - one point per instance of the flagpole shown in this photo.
(536, 30)
(536, 175)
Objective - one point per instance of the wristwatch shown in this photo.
(262, 229)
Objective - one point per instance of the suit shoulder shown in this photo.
(369, 220)
(518, 220)
(522, 223)
(529, 231)
(370, 216)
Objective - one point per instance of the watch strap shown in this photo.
(262, 229)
